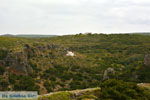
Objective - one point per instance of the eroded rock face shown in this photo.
(108, 73)
(18, 63)
(147, 60)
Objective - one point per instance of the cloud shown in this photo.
(73, 16)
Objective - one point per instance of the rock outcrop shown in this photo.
(17, 63)
(147, 60)
(108, 73)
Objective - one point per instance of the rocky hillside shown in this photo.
(72, 62)
(110, 90)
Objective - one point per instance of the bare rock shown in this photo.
(18, 63)
(108, 73)
(147, 60)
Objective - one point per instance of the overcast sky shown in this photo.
(74, 16)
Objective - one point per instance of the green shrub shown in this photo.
(84, 97)
(2, 70)
(4, 85)
(25, 83)
(58, 96)
(3, 53)
(120, 90)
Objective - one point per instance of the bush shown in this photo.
(58, 96)
(26, 83)
(120, 90)
(87, 97)
(49, 85)
(2, 70)
(4, 85)
(3, 54)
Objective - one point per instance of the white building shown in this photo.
(69, 53)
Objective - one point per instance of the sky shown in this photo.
(61, 17)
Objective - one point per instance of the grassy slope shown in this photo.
(71, 95)
(84, 94)
(145, 85)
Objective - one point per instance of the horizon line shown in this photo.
(75, 33)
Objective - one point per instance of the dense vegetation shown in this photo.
(41, 63)
(120, 90)
(110, 90)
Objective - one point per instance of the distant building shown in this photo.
(70, 53)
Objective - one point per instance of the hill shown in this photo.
(29, 36)
(73, 61)
(111, 89)
(142, 33)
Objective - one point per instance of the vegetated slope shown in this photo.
(28, 36)
(110, 90)
(92, 93)
(43, 64)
